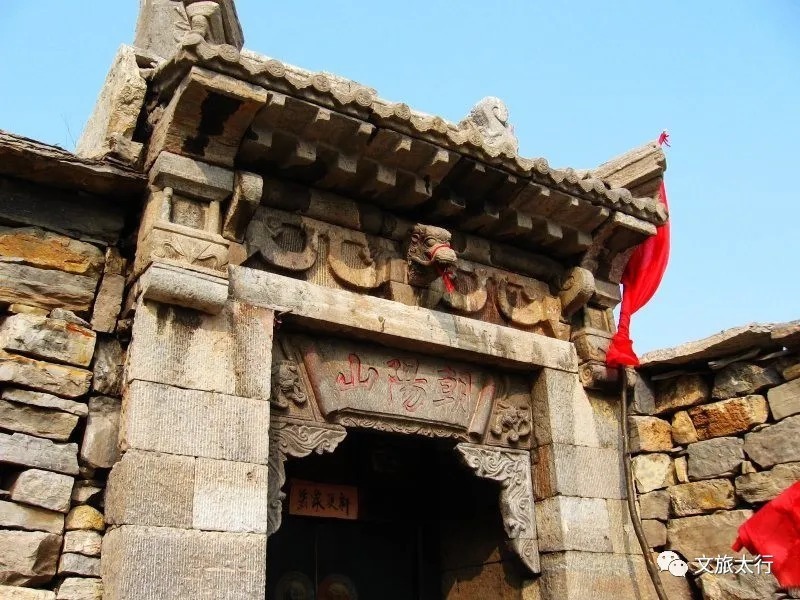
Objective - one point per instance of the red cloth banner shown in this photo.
(640, 280)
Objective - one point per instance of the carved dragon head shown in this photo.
(429, 255)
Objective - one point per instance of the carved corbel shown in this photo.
(274, 236)
(577, 290)
(529, 305)
(298, 440)
(247, 191)
(512, 469)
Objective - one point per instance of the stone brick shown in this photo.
(623, 535)
(706, 535)
(45, 288)
(683, 431)
(87, 492)
(712, 458)
(568, 523)
(80, 588)
(680, 392)
(100, 448)
(764, 486)
(784, 400)
(729, 417)
(48, 339)
(149, 563)
(701, 497)
(146, 488)
(87, 543)
(28, 451)
(162, 418)
(29, 518)
(738, 586)
(655, 532)
(654, 505)
(85, 517)
(40, 422)
(8, 592)
(42, 488)
(743, 379)
(652, 472)
(791, 373)
(108, 366)
(38, 248)
(779, 443)
(649, 434)
(577, 471)
(45, 401)
(644, 398)
(78, 564)
(230, 496)
(108, 303)
(28, 557)
(61, 380)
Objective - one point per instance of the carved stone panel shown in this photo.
(512, 469)
(511, 421)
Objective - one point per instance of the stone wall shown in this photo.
(61, 354)
(715, 437)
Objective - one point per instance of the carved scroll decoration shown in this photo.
(286, 242)
(351, 247)
(471, 293)
(296, 439)
(512, 469)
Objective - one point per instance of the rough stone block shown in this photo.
(100, 447)
(577, 471)
(8, 592)
(29, 518)
(146, 488)
(683, 431)
(681, 469)
(762, 487)
(147, 563)
(649, 434)
(42, 488)
(61, 380)
(108, 365)
(779, 443)
(784, 400)
(78, 564)
(28, 451)
(87, 543)
(40, 422)
(108, 303)
(568, 523)
(655, 532)
(791, 373)
(28, 557)
(230, 496)
(741, 586)
(644, 397)
(654, 505)
(162, 418)
(39, 248)
(742, 379)
(653, 472)
(712, 458)
(729, 417)
(48, 339)
(680, 392)
(80, 588)
(706, 535)
(87, 492)
(701, 497)
(169, 342)
(85, 517)
(45, 288)
(45, 401)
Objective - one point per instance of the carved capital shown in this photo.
(512, 469)
(287, 385)
(293, 438)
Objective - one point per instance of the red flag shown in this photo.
(774, 531)
(640, 280)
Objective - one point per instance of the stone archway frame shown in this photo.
(512, 469)
(296, 439)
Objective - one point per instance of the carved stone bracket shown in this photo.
(296, 439)
(512, 469)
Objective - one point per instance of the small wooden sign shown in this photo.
(310, 499)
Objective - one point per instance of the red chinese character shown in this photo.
(404, 385)
(455, 386)
(355, 379)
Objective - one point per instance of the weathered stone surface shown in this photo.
(728, 417)
(162, 418)
(568, 523)
(762, 487)
(87, 492)
(8, 592)
(743, 586)
(742, 379)
(682, 469)
(712, 458)
(655, 532)
(577, 471)
(791, 373)
(142, 563)
(80, 588)
(706, 535)
(100, 447)
(40, 422)
(644, 398)
(701, 497)
(45, 288)
(38, 248)
(108, 303)
(45, 401)
(784, 400)
(28, 451)
(623, 535)
(42, 488)
(87, 543)
(69, 317)
(28, 557)
(62, 380)
(116, 111)
(680, 392)
(19, 516)
(654, 505)
(27, 310)
(230, 496)
(497, 580)
(147, 488)
(652, 472)
(85, 517)
(683, 431)
(78, 564)
(108, 366)
(191, 177)
(649, 434)
(779, 443)
(48, 339)
(184, 287)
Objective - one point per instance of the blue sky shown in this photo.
(584, 81)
